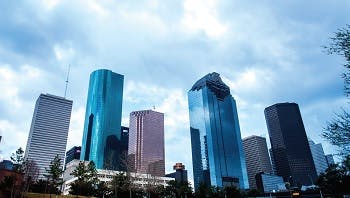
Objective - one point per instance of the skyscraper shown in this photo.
(217, 153)
(291, 151)
(318, 157)
(48, 131)
(146, 142)
(102, 129)
(257, 158)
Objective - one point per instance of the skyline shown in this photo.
(261, 49)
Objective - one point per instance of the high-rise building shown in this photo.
(217, 153)
(318, 157)
(290, 147)
(146, 142)
(180, 174)
(48, 131)
(73, 153)
(329, 159)
(102, 129)
(257, 158)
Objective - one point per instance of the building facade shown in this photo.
(6, 164)
(146, 142)
(73, 153)
(180, 174)
(329, 160)
(48, 131)
(269, 183)
(274, 171)
(217, 153)
(318, 157)
(102, 129)
(257, 158)
(289, 144)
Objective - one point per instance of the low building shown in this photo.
(180, 174)
(269, 183)
(6, 164)
(73, 154)
(138, 179)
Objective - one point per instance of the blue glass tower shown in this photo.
(102, 129)
(217, 152)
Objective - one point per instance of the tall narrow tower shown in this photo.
(146, 142)
(217, 152)
(49, 131)
(289, 144)
(102, 129)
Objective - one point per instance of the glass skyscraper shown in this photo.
(48, 131)
(102, 129)
(289, 144)
(146, 142)
(217, 153)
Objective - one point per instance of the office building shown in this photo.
(102, 128)
(290, 147)
(318, 157)
(269, 183)
(180, 174)
(329, 160)
(48, 131)
(217, 153)
(146, 142)
(257, 158)
(73, 153)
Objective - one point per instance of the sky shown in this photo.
(266, 52)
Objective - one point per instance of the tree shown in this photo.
(54, 175)
(337, 131)
(120, 185)
(7, 186)
(31, 174)
(18, 160)
(39, 186)
(87, 180)
(232, 191)
(178, 189)
(330, 181)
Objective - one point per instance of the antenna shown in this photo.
(65, 90)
